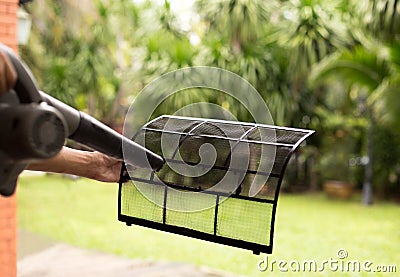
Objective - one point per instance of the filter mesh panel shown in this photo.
(135, 204)
(199, 218)
(230, 200)
(244, 220)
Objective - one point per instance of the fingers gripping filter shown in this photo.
(220, 182)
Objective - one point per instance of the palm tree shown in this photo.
(80, 52)
(308, 31)
(235, 36)
(237, 22)
(373, 67)
(48, 53)
(382, 18)
(371, 71)
(311, 30)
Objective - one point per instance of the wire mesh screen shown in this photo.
(220, 182)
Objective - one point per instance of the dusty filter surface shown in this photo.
(220, 182)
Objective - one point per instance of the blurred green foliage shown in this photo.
(333, 66)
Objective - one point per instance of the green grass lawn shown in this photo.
(308, 227)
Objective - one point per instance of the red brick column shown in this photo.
(8, 236)
(8, 206)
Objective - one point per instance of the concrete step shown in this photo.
(41, 257)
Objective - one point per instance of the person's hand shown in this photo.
(8, 76)
(105, 168)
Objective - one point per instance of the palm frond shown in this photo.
(360, 66)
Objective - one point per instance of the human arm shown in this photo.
(93, 165)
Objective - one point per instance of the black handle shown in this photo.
(25, 86)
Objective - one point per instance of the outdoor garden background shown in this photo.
(332, 66)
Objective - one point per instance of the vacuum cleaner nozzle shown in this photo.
(90, 132)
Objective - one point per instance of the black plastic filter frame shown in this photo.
(289, 143)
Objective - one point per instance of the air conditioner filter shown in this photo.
(220, 182)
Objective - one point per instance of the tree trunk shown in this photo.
(367, 193)
(313, 173)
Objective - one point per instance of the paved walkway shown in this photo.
(40, 257)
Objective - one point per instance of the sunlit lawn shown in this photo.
(308, 227)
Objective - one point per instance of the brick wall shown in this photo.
(8, 22)
(8, 236)
(8, 206)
